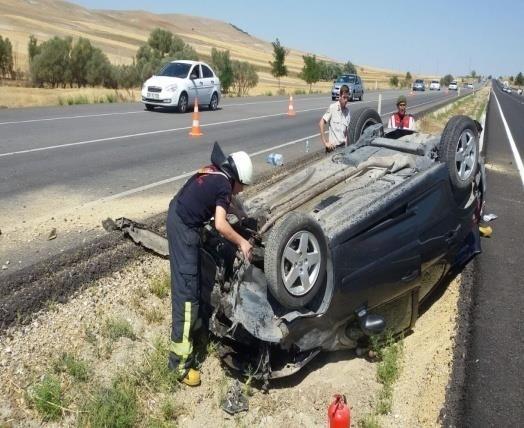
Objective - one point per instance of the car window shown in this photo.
(346, 79)
(206, 72)
(175, 69)
(195, 72)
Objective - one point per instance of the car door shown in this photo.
(209, 83)
(195, 85)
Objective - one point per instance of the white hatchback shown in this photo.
(179, 83)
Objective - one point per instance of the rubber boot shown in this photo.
(192, 378)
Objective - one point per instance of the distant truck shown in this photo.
(355, 84)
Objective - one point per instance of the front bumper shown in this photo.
(163, 98)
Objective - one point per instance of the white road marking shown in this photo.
(48, 119)
(141, 134)
(518, 159)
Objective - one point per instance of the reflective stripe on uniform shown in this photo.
(185, 347)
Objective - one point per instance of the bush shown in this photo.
(46, 396)
(115, 328)
(113, 407)
(245, 77)
(393, 81)
(72, 366)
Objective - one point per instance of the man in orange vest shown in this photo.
(400, 119)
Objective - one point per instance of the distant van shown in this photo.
(353, 81)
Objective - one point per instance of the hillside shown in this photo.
(120, 33)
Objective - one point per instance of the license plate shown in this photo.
(153, 95)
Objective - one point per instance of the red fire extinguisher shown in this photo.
(338, 412)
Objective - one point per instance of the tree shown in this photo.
(244, 77)
(6, 58)
(511, 79)
(161, 40)
(393, 81)
(221, 62)
(310, 71)
(98, 69)
(81, 54)
(473, 73)
(32, 48)
(52, 64)
(519, 80)
(278, 68)
(349, 68)
(446, 80)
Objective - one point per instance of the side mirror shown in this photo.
(193, 76)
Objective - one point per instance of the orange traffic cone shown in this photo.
(195, 129)
(290, 109)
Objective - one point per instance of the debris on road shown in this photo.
(485, 231)
(52, 235)
(235, 401)
(488, 217)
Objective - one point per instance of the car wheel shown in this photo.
(213, 104)
(150, 107)
(333, 98)
(183, 102)
(459, 150)
(360, 120)
(295, 260)
(361, 96)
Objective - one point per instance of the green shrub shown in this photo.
(112, 98)
(113, 407)
(155, 372)
(46, 396)
(115, 328)
(72, 366)
(160, 285)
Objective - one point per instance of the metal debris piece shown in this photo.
(52, 234)
(235, 401)
(489, 217)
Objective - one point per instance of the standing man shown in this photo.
(400, 119)
(205, 195)
(337, 118)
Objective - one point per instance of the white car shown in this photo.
(178, 83)
(434, 85)
(470, 86)
(453, 86)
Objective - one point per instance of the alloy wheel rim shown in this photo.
(301, 261)
(466, 154)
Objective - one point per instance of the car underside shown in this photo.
(345, 249)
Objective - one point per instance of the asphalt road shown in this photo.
(494, 385)
(59, 158)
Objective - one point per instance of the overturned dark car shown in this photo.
(344, 249)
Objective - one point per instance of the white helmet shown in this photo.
(241, 163)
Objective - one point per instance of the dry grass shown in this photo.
(472, 105)
(13, 97)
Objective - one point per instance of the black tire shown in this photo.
(361, 96)
(459, 150)
(360, 120)
(333, 98)
(295, 229)
(213, 104)
(183, 102)
(150, 107)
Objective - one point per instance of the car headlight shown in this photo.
(171, 88)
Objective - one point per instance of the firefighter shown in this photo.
(400, 119)
(205, 195)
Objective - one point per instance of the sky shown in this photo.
(432, 38)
